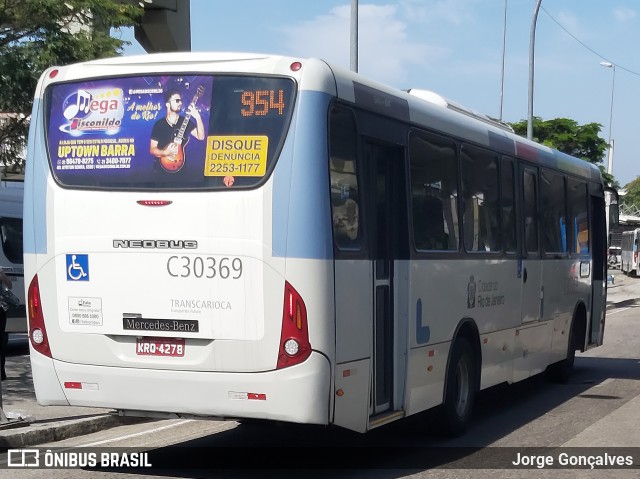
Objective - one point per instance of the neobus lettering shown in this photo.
(248, 144)
(157, 244)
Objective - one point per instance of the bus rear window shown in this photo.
(170, 132)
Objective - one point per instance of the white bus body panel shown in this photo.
(298, 394)
(354, 334)
(512, 348)
(239, 319)
(235, 310)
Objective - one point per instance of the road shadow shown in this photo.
(395, 450)
(408, 446)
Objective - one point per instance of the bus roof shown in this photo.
(442, 116)
(447, 117)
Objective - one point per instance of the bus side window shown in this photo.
(481, 207)
(433, 192)
(509, 234)
(530, 208)
(553, 212)
(345, 194)
(579, 216)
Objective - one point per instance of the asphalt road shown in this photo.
(598, 409)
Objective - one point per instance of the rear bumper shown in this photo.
(300, 393)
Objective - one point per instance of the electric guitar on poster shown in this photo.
(173, 163)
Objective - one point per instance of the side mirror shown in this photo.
(612, 204)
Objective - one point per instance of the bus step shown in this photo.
(384, 418)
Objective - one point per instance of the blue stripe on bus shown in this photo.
(35, 204)
(301, 226)
(423, 333)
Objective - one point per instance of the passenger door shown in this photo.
(389, 247)
(352, 274)
(530, 268)
(599, 273)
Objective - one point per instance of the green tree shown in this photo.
(37, 34)
(632, 196)
(567, 136)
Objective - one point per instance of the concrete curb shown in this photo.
(37, 434)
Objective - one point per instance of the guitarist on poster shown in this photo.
(170, 134)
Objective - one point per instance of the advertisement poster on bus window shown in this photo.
(134, 127)
(171, 131)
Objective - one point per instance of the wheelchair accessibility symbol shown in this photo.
(77, 267)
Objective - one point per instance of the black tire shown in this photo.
(460, 389)
(560, 372)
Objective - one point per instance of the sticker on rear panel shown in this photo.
(236, 156)
(77, 267)
(85, 311)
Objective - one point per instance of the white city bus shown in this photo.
(629, 254)
(330, 251)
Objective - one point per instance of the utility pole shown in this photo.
(504, 49)
(354, 35)
(532, 41)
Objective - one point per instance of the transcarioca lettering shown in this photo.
(200, 304)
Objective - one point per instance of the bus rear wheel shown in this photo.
(460, 390)
(560, 372)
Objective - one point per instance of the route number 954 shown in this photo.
(204, 267)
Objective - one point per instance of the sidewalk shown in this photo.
(31, 424)
(624, 291)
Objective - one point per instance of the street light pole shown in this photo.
(532, 42)
(504, 47)
(354, 36)
(613, 88)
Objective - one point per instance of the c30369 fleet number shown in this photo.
(204, 267)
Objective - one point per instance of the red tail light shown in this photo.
(37, 331)
(294, 338)
(635, 256)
